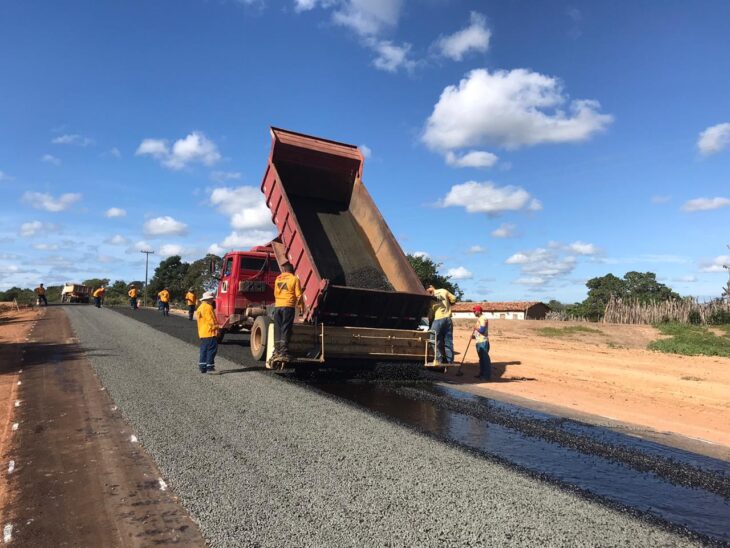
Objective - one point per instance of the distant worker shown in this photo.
(208, 333)
(41, 292)
(98, 296)
(442, 324)
(287, 296)
(481, 337)
(164, 296)
(191, 300)
(133, 294)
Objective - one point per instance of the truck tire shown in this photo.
(259, 337)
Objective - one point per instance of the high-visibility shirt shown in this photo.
(442, 306)
(99, 292)
(132, 293)
(190, 298)
(481, 330)
(287, 290)
(207, 323)
(40, 290)
(164, 296)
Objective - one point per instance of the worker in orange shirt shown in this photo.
(287, 296)
(191, 300)
(164, 296)
(207, 332)
(41, 292)
(133, 294)
(98, 296)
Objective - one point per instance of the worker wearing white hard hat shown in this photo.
(208, 333)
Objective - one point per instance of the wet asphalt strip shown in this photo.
(469, 417)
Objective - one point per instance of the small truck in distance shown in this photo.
(75, 293)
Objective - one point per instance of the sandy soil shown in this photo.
(609, 374)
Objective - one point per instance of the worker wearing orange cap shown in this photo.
(481, 337)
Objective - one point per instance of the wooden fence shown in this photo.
(682, 311)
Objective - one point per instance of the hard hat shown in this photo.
(477, 309)
(208, 296)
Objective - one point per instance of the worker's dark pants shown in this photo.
(208, 350)
(283, 321)
(485, 362)
(42, 298)
(191, 311)
(133, 303)
(444, 329)
(165, 309)
(97, 302)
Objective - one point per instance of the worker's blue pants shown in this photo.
(133, 303)
(444, 329)
(485, 362)
(208, 350)
(97, 302)
(165, 307)
(191, 311)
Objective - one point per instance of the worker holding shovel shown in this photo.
(481, 337)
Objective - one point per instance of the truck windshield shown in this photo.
(252, 263)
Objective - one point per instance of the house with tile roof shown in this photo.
(516, 310)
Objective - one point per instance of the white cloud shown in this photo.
(489, 198)
(472, 158)
(42, 200)
(715, 265)
(164, 226)
(366, 151)
(117, 239)
(475, 249)
(421, 254)
(223, 176)
(540, 266)
(141, 245)
(367, 17)
(304, 5)
(113, 212)
(582, 248)
(689, 279)
(714, 139)
(460, 273)
(244, 205)
(32, 228)
(168, 250)
(5, 177)
(246, 239)
(115, 152)
(531, 280)
(659, 199)
(194, 148)
(50, 159)
(391, 57)
(510, 109)
(475, 37)
(705, 204)
(216, 249)
(505, 230)
(45, 246)
(72, 139)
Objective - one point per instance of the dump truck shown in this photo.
(75, 293)
(363, 300)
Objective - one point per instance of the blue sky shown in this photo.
(526, 146)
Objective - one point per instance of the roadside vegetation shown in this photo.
(566, 331)
(693, 340)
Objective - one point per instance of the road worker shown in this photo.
(442, 324)
(41, 292)
(99, 295)
(133, 294)
(208, 333)
(481, 337)
(164, 296)
(191, 300)
(287, 296)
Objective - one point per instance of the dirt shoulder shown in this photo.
(79, 477)
(607, 373)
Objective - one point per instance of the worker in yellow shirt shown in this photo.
(481, 337)
(207, 332)
(191, 300)
(287, 296)
(41, 292)
(133, 294)
(442, 324)
(164, 296)
(98, 296)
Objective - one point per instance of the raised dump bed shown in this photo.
(352, 270)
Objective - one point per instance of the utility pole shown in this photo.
(146, 266)
(727, 288)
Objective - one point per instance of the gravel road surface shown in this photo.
(262, 462)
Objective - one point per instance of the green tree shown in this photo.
(643, 287)
(199, 276)
(23, 296)
(556, 306)
(170, 273)
(93, 283)
(428, 272)
(116, 293)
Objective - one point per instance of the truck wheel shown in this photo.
(220, 335)
(259, 337)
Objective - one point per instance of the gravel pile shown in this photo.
(261, 462)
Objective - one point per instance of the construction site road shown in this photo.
(258, 461)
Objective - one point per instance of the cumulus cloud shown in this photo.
(43, 246)
(705, 204)
(542, 265)
(366, 151)
(304, 5)
(114, 212)
(391, 57)
(489, 198)
(714, 139)
(141, 245)
(476, 249)
(243, 240)
(72, 139)
(33, 228)
(421, 254)
(168, 250)
(50, 159)
(223, 176)
(459, 273)
(117, 239)
(582, 248)
(505, 230)
(42, 200)
(194, 148)
(164, 226)
(510, 109)
(715, 265)
(472, 158)
(475, 37)
(5, 177)
(244, 205)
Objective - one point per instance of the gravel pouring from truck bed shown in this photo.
(261, 462)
